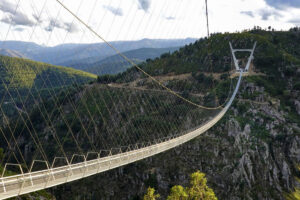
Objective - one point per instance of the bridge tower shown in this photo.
(235, 60)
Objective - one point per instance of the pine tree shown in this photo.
(198, 188)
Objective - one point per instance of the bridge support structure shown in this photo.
(235, 60)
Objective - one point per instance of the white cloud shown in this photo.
(8, 7)
(13, 16)
(17, 19)
(113, 10)
(67, 26)
(266, 14)
(144, 4)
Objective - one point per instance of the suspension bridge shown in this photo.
(106, 109)
(33, 181)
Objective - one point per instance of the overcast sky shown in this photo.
(46, 22)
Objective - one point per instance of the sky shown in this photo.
(45, 21)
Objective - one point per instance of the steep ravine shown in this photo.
(251, 154)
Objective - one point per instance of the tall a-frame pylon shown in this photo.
(236, 62)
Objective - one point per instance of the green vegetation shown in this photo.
(132, 123)
(274, 59)
(178, 193)
(198, 190)
(150, 195)
(270, 58)
(295, 195)
(22, 81)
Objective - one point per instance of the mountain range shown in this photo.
(116, 63)
(82, 56)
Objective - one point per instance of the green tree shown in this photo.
(198, 188)
(150, 195)
(178, 193)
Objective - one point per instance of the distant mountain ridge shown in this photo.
(116, 64)
(70, 54)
